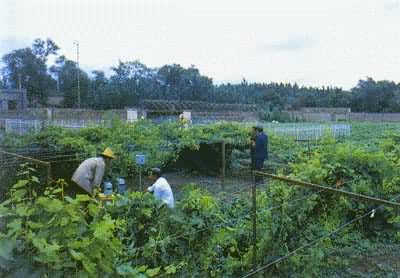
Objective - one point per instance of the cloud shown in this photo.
(391, 6)
(291, 44)
(9, 44)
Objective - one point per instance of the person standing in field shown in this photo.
(161, 189)
(260, 151)
(90, 172)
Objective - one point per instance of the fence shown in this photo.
(259, 269)
(210, 117)
(49, 165)
(256, 212)
(11, 163)
(61, 113)
(313, 115)
(19, 126)
(163, 105)
(308, 131)
(374, 117)
(201, 111)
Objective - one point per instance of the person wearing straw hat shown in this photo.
(91, 171)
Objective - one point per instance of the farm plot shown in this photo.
(206, 234)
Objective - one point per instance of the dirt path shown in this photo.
(379, 260)
(213, 184)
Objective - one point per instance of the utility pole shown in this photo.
(19, 81)
(77, 69)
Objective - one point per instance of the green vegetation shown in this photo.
(205, 235)
(161, 143)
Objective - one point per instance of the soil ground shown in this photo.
(379, 260)
(213, 184)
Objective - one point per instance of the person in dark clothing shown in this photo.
(260, 151)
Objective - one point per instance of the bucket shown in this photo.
(121, 186)
(108, 188)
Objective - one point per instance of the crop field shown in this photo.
(223, 224)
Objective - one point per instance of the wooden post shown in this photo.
(140, 178)
(254, 218)
(49, 177)
(223, 164)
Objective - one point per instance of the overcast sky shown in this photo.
(311, 42)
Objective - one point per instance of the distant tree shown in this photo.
(132, 81)
(372, 96)
(128, 81)
(98, 88)
(43, 49)
(2, 83)
(27, 66)
(66, 72)
(184, 84)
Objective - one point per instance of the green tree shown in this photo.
(372, 96)
(27, 66)
(66, 72)
(184, 84)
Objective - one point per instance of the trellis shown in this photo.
(163, 106)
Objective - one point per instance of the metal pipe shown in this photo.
(26, 158)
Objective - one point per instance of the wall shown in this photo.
(99, 115)
(316, 116)
(19, 96)
(375, 117)
(356, 117)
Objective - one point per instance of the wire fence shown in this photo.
(22, 126)
(316, 240)
(259, 269)
(245, 191)
(303, 131)
(298, 131)
(11, 164)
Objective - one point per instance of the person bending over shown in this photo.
(161, 189)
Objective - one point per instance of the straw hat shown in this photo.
(108, 153)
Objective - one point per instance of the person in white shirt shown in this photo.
(161, 189)
(91, 171)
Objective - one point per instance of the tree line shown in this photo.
(132, 81)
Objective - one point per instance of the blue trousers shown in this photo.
(256, 165)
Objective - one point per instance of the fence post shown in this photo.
(49, 114)
(254, 217)
(140, 179)
(223, 164)
(49, 177)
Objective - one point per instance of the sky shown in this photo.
(310, 42)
